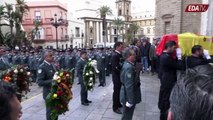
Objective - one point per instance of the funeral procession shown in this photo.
(106, 60)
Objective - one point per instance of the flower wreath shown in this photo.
(89, 74)
(19, 77)
(61, 94)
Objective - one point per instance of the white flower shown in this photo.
(90, 72)
(91, 78)
(28, 73)
(21, 70)
(15, 71)
(90, 84)
(87, 74)
(90, 59)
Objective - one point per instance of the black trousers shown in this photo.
(128, 113)
(48, 112)
(154, 65)
(116, 92)
(83, 92)
(164, 103)
(102, 77)
(34, 75)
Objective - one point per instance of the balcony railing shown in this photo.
(77, 35)
(37, 21)
(65, 37)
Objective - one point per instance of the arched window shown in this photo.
(142, 31)
(153, 30)
(148, 30)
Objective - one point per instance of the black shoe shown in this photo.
(88, 101)
(100, 85)
(118, 111)
(85, 104)
(78, 83)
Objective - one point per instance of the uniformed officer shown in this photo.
(91, 54)
(16, 58)
(32, 65)
(45, 75)
(130, 93)
(4, 64)
(101, 65)
(70, 61)
(108, 62)
(80, 67)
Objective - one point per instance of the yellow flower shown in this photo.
(55, 95)
(59, 80)
(61, 74)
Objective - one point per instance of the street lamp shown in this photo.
(56, 22)
(82, 36)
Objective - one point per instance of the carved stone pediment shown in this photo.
(167, 16)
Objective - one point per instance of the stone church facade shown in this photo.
(171, 17)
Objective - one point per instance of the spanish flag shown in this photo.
(186, 41)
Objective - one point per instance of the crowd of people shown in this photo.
(126, 63)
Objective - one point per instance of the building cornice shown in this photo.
(48, 6)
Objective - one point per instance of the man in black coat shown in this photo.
(45, 75)
(116, 69)
(199, 57)
(168, 77)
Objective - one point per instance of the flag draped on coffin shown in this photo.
(164, 40)
(186, 41)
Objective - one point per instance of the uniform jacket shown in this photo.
(116, 66)
(80, 68)
(4, 64)
(130, 89)
(69, 61)
(45, 75)
(101, 61)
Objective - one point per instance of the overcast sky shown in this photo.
(137, 5)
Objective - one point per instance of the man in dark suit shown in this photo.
(116, 69)
(168, 76)
(45, 75)
(130, 93)
(80, 68)
(199, 57)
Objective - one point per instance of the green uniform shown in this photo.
(130, 89)
(80, 67)
(45, 75)
(101, 65)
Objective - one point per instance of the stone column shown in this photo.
(86, 34)
(95, 32)
(110, 32)
(100, 31)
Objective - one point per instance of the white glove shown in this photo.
(206, 54)
(55, 76)
(178, 53)
(128, 105)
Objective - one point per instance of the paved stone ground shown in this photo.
(101, 106)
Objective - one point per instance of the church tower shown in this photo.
(124, 9)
